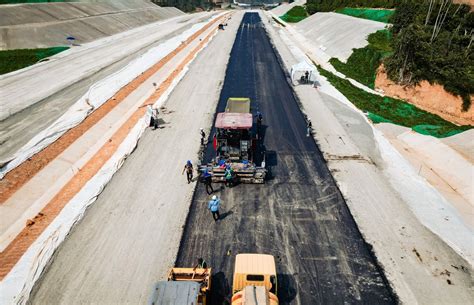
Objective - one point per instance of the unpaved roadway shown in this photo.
(130, 237)
(299, 215)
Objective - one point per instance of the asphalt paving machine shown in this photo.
(235, 144)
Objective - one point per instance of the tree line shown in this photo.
(433, 41)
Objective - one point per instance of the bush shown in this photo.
(30, 1)
(314, 6)
(435, 49)
(295, 14)
(379, 15)
(363, 63)
(185, 5)
(386, 109)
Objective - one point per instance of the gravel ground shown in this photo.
(129, 238)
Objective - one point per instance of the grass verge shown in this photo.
(30, 1)
(12, 60)
(295, 14)
(385, 109)
(379, 15)
(363, 63)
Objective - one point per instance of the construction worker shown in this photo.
(213, 206)
(207, 177)
(188, 167)
(259, 117)
(203, 136)
(153, 113)
(229, 176)
(309, 127)
(201, 264)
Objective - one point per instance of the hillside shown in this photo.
(41, 25)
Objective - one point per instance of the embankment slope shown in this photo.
(49, 24)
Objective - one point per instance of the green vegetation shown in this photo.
(314, 6)
(433, 41)
(363, 63)
(295, 14)
(30, 1)
(380, 15)
(386, 109)
(11, 60)
(185, 5)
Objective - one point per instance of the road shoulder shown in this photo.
(418, 264)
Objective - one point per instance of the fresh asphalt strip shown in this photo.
(298, 216)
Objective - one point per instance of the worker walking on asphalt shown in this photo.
(207, 177)
(203, 136)
(188, 167)
(213, 206)
(201, 264)
(229, 176)
(309, 128)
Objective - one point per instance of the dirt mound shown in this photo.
(432, 98)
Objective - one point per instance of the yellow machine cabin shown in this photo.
(255, 280)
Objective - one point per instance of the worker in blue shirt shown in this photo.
(207, 179)
(188, 168)
(213, 206)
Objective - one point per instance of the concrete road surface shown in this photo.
(130, 237)
(299, 215)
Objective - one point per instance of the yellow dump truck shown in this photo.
(185, 286)
(255, 280)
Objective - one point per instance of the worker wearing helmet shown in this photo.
(229, 176)
(188, 167)
(213, 206)
(207, 179)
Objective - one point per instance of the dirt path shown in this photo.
(299, 215)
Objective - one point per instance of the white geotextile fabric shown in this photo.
(434, 209)
(97, 95)
(17, 285)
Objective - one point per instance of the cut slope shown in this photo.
(337, 34)
(285, 7)
(48, 24)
